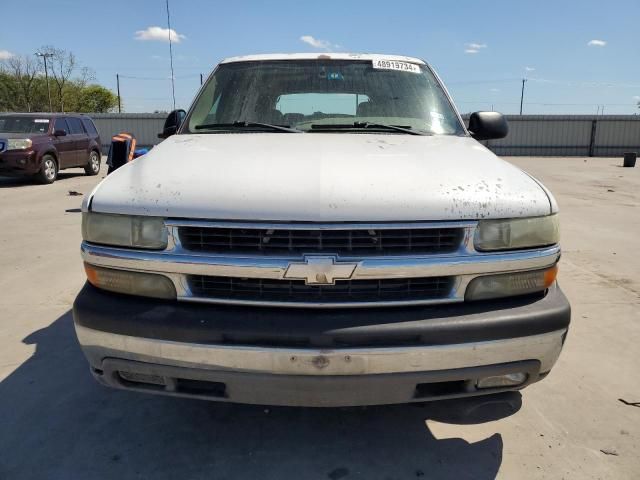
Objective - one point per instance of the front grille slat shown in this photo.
(296, 291)
(347, 242)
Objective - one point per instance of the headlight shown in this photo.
(510, 284)
(131, 283)
(124, 230)
(517, 233)
(19, 144)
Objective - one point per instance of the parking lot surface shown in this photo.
(580, 422)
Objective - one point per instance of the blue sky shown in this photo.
(481, 49)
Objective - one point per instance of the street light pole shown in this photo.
(118, 87)
(522, 95)
(46, 75)
(173, 86)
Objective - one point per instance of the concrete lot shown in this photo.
(56, 422)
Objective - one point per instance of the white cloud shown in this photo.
(495, 90)
(529, 69)
(474, 47)
(159, 34)
(317, 43)
(597, 43)
(636, 97)
(5, 54)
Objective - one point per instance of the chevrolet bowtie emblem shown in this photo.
(317, 270)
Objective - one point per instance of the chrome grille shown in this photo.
(341, 242)
(267, 290)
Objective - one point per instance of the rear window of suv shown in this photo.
(60, 124)
(75, 125)
(89, 126)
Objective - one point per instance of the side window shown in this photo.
(89, 126)
(206, 108)
(75, 126)
(61, 124)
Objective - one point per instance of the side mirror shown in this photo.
(59, 133)
(488, 125)
(172, 123)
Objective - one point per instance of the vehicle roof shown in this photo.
(44, 114)
(321, 56)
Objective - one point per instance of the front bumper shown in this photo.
(317, 358)
(18, 162)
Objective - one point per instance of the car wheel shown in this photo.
(49, 170)
(93, 165)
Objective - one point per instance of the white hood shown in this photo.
(321, 177)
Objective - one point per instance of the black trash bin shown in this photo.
(122, 150)
(630, 159)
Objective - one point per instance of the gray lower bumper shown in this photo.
(306, 390)
(314, 357)
(314, 377)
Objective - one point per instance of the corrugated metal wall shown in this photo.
(617, 135)
(545, 135)
(569, 135)
(145, 126)
(534, 135)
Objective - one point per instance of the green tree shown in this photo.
(23, 86)
(9, 93)
(92, 99)
(24, 70)
(62, 65)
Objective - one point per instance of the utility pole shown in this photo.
(173, 86)
(118, 86)
(46, 75)
(522, 95)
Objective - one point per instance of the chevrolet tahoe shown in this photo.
(321, 230)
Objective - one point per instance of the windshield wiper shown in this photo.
(245, 124)
(365, 125)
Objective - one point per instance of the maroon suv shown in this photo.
(40, 144)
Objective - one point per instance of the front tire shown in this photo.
(49, 170)
(93, 164)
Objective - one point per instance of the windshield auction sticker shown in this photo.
(395, 65)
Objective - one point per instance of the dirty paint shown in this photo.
(329, 177)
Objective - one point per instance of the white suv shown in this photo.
(321, 230)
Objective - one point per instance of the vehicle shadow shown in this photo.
(58, 423)
(12, 182)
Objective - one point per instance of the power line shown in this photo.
(549, 104)
(567, 83)
(574, 83)
(477, 82)
(136, 77)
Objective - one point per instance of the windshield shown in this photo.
(15, 124)
(324, 96)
